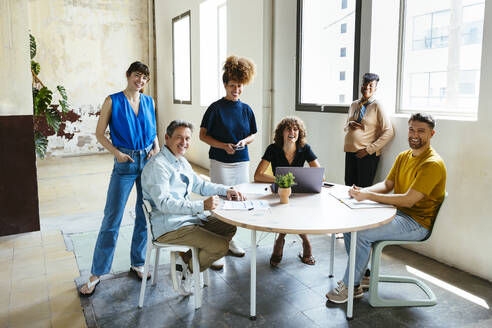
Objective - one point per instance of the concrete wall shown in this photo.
(15, 75)
(87, 46)
(462, 234)
(246, 38)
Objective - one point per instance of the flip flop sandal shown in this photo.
(90, 284)
(309, 260)
(137, 270)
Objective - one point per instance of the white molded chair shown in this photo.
(174, 249)
(374, 299)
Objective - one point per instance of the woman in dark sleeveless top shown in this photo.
(289, 149)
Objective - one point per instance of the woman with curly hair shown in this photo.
(289, 149)
(228, 126)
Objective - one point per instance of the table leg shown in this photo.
(350, 303)
(253, 276)
(332, 254)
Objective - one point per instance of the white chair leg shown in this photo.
(332, 254)
(173, 270)
(206, 281)
(144, 280)
(196, 278)
(156, 265)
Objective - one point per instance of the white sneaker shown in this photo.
(236, 249)
(186, 285)
(218, 264)
(179, 270)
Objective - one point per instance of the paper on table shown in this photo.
(245, 205)
(341, 193)
(254, 188)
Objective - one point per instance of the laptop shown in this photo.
(307, 179)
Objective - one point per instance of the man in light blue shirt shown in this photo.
(167, 182)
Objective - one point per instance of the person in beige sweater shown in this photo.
(368, 130)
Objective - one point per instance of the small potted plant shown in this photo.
(284, 182)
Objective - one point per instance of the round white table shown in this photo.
(305, 214)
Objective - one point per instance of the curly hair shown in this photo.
(237, 69)
(287, 122)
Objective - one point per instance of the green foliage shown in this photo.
(40, 144)
(32, 45)
(43, 108)
(41, 100)
(285, 180)
(64, 101)
(35, 67)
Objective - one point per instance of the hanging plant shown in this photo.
(47, 116)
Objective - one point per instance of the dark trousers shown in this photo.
(360, 171)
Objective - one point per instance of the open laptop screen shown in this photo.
(308, 179)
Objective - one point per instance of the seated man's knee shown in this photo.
(218, 247)
(232, 231)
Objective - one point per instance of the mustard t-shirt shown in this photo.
(425, 173)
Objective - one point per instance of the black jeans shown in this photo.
(360, 171)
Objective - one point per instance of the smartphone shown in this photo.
(238, 147)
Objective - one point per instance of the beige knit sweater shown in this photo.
(376, 133)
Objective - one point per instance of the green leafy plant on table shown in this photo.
(45, 113)
(285, 180)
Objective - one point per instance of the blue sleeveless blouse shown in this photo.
(128, 130)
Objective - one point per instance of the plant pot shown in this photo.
(284, 194)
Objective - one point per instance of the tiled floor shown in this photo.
(289, 296)
(72, 194)
(37, 282)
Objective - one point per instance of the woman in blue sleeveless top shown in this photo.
(131, 118)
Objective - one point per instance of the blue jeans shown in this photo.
(123, 177)
(402, 227)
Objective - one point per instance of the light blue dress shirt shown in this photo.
(167, 182)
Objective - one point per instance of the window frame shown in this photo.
(326, 108)
(174, 20)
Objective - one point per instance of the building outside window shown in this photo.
(343, 28)
(327, 59)
(343, 52)
(440, 57)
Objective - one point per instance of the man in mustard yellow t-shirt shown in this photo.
(418, 180)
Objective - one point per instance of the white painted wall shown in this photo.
(462, 234)
(246, 38)
(15, 70)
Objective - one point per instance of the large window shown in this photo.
(328, 40)
(213, 49)
(440, 56)
(182, 59)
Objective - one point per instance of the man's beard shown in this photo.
(414, 145)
